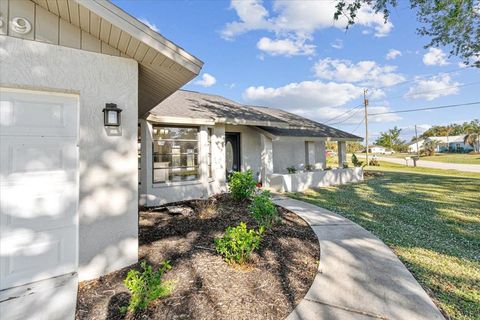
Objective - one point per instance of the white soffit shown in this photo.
(163, 66)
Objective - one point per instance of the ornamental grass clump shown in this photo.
(238, 243)
(146, 286)
(263, 210)
(242, 185)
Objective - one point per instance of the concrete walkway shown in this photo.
(435, 165)
(359, 277)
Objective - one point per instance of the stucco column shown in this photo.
(320, 155)
(203, 149)
(146, 158)
(267, 160)
(218, 155)
(342, 153)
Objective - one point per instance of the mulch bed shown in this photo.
(205, 286)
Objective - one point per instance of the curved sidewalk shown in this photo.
(359, 277)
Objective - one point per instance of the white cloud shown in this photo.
(149, 24)
(365, 72)
(337, 44)
(435, 57)
(393, 54)
(285, 47)
(207, 80)
(315, 100)
(433, 88)
(297, 20)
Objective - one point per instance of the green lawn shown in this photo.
(468, 158)
(430, 218)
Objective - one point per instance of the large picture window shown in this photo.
(175, 154)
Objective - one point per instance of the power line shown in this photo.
(423, 76)
(427, 108)
(358, 126)
(346, 119)
(429, 91)
(341, 115)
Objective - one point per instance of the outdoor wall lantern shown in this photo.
(111, 115)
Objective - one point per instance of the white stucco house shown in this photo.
(68, 181)
(445, 144)
(191, 141)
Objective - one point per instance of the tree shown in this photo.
(473, 139)
(391, 139)
(429, 147)
(450, 23)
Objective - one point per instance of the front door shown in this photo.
(232, 152)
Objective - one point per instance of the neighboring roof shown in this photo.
(164, 67)
(449, 139)
(195, 107)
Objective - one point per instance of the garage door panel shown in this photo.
(34, 156)
(39, 186)
(37, 113)
(34, 256)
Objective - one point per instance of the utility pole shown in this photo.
(365, 103)
(416, 140)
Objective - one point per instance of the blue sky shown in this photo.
(292, 55)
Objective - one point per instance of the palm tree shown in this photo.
(473, 139)
(430, 146)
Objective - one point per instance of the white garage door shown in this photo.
(38, 186)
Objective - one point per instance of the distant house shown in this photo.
(377, 149)
(445, 144)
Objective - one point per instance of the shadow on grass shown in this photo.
(406, 210)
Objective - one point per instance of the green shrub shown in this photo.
(374, 162)
(355, 161)
(291, 169)
(263, 210)
(146, 286)
(242, 185)
(238, 243)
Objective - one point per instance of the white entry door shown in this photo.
(38, 186)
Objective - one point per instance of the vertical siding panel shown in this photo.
(46, 26)
(69, 35)
(90, 43)
(84, 19)
(42, 3)
(114, 36)
(52, 6)
(74, 13)
(123, 42)
(23, 9)
(4, 16)
(132, 47)
(63, 9)
(106, 49)
(94, 24)
(105, 27)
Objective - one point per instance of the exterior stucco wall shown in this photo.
(108, 212)
(250, 148)
(288, 153)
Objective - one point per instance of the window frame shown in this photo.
(195, 154)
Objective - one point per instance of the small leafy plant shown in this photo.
(263, 210)
(146, 286)
(238, 243)
(242, 185)
(291, 169)
(356, 162)
(309, 167)
(374, 162)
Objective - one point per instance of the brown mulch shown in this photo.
(205, 286)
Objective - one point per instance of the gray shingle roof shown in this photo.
(196, 105)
